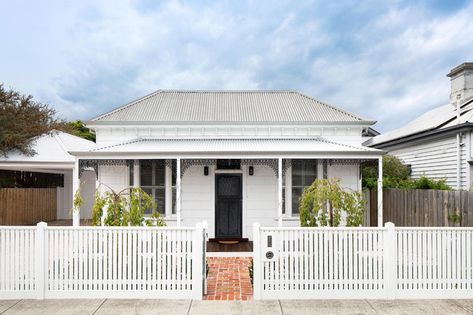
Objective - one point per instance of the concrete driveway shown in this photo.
(177, 307)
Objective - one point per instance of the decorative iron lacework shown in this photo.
(271, 163)
(186, 163)
(94, 164)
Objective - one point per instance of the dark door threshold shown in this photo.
(239, 247)
(238, 239)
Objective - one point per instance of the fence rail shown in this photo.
(101, 262)
(386, 263)
(25, 206)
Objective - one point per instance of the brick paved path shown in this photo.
(229, 279)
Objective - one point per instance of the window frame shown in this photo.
(288, 188)
(169, 187)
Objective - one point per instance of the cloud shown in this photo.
(384, 60)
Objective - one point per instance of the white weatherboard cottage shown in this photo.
(230, 158)
(438, 144)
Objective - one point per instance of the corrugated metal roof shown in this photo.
(435, 119)
(233, 145)
(53, 147)
(227, 106)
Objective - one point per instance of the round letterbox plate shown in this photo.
(269, 255)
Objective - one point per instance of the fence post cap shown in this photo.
(42, 224)
(389, 225)
(256, 225)
(205, 225)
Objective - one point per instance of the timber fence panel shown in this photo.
(101, 262)
(419, 207)
(27, 206)
(308, 263)
(434, 263)
(17, 262)
(363, 263)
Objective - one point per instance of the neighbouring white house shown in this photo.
(52, 156)
(231, 158)
(438, 144)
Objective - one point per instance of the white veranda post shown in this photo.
(280, 192)
(178, 191)
(75, 188)
(380, 192)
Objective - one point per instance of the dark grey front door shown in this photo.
(228, 205)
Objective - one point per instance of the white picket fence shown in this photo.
(101, 262)
(360, 263)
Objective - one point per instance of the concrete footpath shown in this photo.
(177, 307)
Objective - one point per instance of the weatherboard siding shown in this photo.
(436, 159)
(107, 136)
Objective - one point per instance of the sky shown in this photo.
(383, 60)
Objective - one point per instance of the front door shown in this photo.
(228, 205)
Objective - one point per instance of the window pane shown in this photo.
(159, 171)
(160, 199)
(304, 172)
(149, 191)
(284, 200)
(173, 176)
(146, 173)
(131, 173)
(173, 200)
(296, 195)
(228, 164)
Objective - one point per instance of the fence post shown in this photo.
(390, 261)
(197, 262)
(205, 227)
(257, 262)
(40, 257)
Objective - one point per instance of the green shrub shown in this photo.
(396, 175)
(125, 208)
(323, 202)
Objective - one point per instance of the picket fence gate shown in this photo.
(102, 262)
(360, 263)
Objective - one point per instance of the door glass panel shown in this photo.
(229, 187)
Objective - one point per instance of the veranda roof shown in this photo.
(231, 146)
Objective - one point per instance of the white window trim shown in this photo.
(168, 215)
(288, 215)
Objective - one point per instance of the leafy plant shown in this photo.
(397, 175)
(323, 202)
(22, 119)
(125, 208)
(455, 218)
(79, 129)
(77, 202)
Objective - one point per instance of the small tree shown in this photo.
(125, 208)
(78, 128)
(21, 120)
(323, 202)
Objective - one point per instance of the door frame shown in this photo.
(228, 173)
